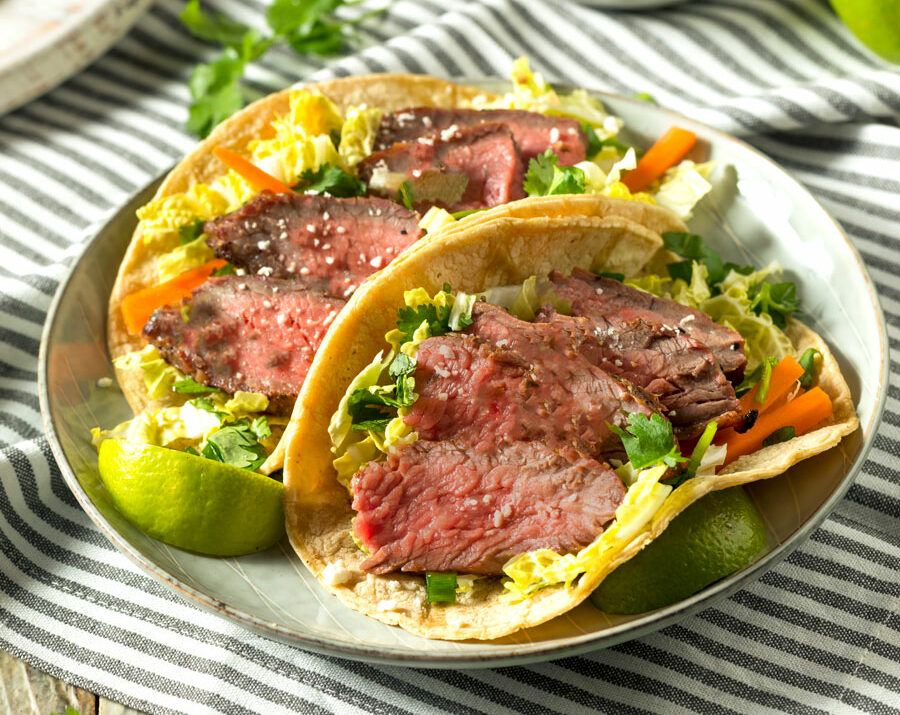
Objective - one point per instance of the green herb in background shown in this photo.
(307, 26)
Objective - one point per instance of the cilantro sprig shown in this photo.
(779, 300)
(546, 178)
(649, 441)
(307, 26)
(238, 443)
(330, 180)
(372, 408)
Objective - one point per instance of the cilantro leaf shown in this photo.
(238, 443)
(694, 248)
(331, 180)
(215, 91)
(189, 386)
(190, 232)
(595, 143)
(613, 276)
(649, 441)
(808, 363)
(779, 300)
(227, 270)
(308, 26)
(409, 319)
(217, 28)
(545, 178)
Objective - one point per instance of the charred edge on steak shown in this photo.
(438, 506)
(486, 154)
(245, 333)
(609, 299)
(534, 133)
(329, 244)
(673, 367)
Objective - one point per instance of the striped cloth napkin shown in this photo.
(819, 633)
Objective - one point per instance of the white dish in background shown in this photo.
(44, 42)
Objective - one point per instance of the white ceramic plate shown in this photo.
(43, 42)
(757, 214)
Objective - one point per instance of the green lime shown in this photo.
(192, 502)
(712, 538)
(875, 22)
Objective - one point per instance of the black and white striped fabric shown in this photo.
(818, 634)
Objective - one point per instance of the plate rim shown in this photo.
(501, 655)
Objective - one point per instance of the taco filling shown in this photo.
(515, 441)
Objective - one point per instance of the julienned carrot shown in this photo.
(783, 377)
(258, 179)
(139, 306)
(668, 150)
(802, 413)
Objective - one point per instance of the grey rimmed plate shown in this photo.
(757, 213)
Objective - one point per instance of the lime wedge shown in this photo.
(192, 502)
(714, 537)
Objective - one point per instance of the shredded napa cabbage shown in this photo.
(183, 258)
(683, 186)
(189, 425)
(435, 219)
(161, 218)
(358, 135)
(158, 374)
(530, 92)
(536, 570)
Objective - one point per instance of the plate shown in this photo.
(43, 43)
(757, 213)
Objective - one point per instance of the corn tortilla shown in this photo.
(500, 251)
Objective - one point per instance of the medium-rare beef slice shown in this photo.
(673, 367)
(330, 244)
(439, 506)
(534, 133)
(482, 395)
(245, 333)
(486, 154)
(594, 296)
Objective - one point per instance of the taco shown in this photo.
(233, 275)
(519, 402)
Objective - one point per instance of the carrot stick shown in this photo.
(784, 375)
(258, 179)
(139, 306)
(802, 413)
(668, 150)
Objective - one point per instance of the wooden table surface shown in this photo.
(26, 691)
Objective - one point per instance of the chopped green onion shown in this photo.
(693, 464)
(779, 436)
(808, 363)
(764, 381)
(468, 212)
(405, 196)
(614, 276)
(441, 587)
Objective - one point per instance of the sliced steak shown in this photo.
(671, 366)
(438, 506)
(482, 395)
(486, 154)
(330, 244)
(609, 300)
(245, 333)
(534, 133)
